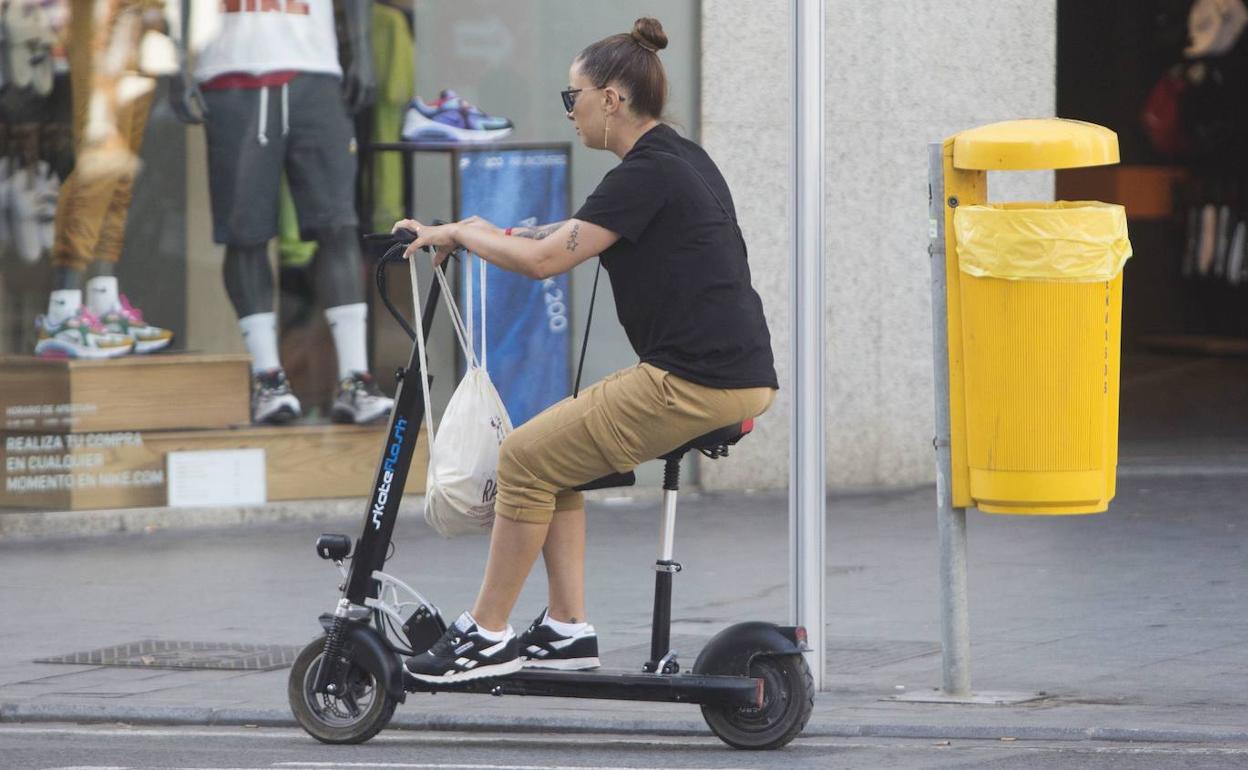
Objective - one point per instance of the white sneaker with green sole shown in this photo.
(127, 321)
(79, 336)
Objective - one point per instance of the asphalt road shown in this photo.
(121, 747)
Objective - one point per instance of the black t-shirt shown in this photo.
(679, 271)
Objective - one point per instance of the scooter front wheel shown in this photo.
(362, 711)
(788, 700)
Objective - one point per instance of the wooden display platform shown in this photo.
(128, 469)
(132, 393)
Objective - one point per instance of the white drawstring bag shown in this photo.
(463, 455)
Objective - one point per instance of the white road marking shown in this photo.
(395, 736)
(471, 766)
(564, 739)
(396, 766)
(1160, 750)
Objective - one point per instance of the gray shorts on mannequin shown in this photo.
(309, 135)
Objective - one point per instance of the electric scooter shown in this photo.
(750, 680)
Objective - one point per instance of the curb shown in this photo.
(238, 717)
(25, 526)
(28, 525)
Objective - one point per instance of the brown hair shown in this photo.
(632, 60)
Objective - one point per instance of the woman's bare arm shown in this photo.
(556, 251)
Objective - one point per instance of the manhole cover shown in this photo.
(153, 653)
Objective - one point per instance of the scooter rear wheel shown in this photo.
(788, 699)
(361, 712)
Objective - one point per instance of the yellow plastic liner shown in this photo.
(1075, 241)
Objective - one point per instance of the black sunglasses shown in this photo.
(569, 96)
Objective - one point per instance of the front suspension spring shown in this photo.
(334, 639)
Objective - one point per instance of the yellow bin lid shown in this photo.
(1032, 145)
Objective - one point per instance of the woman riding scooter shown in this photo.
(663, 224)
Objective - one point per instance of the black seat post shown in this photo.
(665, 567)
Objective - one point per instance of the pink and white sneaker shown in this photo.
(120, 317)
(127, 320)
(79, 336)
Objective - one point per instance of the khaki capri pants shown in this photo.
(616, 424)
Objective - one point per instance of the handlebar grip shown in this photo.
(402, 235)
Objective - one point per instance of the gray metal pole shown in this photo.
(951, 522)
(807, 471)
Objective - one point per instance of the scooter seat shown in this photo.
(716, 440)
(713, 444)
(610, 481)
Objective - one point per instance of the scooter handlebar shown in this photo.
(405, 236)
(401, 235)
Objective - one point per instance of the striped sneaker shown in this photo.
(360, 401)
(79, 336)
(463, 654)
(272, 402)
(451, 119)
(543, 647)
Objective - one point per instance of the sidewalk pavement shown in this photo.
(1134, 623)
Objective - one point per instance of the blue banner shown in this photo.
(529, 321)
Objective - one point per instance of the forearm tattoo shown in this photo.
(537, 233)
(576, 230)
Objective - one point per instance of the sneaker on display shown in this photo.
(272, 402)
(465, 653)
(78, 336)
(542, 646)
(360, 401)
(451, 119)
(118, 315)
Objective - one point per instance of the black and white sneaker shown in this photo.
(271, 399)
(543, 647)
(463, 654)
(360, 401)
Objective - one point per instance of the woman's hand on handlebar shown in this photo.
(440, 237)
(484, 224)
(406, 224)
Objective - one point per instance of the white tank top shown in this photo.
(288, 35)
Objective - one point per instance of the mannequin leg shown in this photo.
(339, 283)
(337, 271)
(80, 208)
(108, 127)
(338, 266)
(249, 279)
(66, 279)
(249, 284)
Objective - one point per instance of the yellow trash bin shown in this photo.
(1041, 321)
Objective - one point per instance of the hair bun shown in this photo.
(649, 33)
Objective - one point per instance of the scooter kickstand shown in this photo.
(667, 664)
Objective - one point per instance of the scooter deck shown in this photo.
(706, 689)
